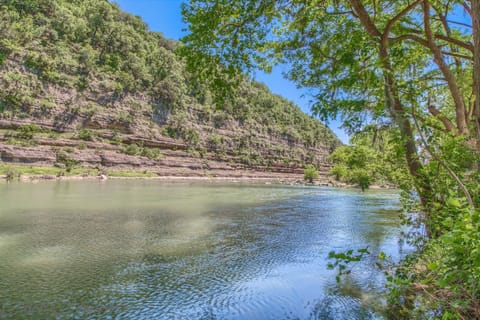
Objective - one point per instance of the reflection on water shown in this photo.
(143, 249)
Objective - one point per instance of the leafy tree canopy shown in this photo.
(408, 63)
(411, 65)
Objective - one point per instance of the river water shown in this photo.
(188, 250)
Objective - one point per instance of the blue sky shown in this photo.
(165, 16)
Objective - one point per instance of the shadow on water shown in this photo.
(142, 250)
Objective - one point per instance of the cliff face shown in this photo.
(85, 84)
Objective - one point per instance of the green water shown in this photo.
(158, 250)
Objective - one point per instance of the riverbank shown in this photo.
(35, 173)
(26, 173)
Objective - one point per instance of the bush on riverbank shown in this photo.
(310, 173)
(364, 165)
(442, 279)
(12, 174)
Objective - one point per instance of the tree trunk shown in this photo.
(460, 110)
(399, 116)
(395, 107)
(476, 64)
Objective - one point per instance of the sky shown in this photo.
(165, 16)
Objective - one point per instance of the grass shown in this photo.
(131, 174)
(7, 169)
(43, 170)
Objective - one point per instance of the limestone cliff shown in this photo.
(87, 85)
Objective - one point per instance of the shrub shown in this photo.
(125, 117)
(116, 138)
(339, 171)
(191, 136)
(86, 135)
(69, 163)
(21, 142)
(310, 173)
(151, 153)
(214, 141)
(28, 131)
(11, 174)
(132, 149)
(362, 178)
(169, 132)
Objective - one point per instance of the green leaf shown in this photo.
(453, 202)
(432, 266)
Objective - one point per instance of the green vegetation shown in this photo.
(11, 174)
(27, 132)
(373, 159)
(310, 173)
(24, 135)
(64, 159)
(133, 149)
(86, 135)
(83, 61)
(131, 174)
(214, 141)
(342, 260)
(407, 78)
(20, 170)
(136, 150)
(355, 164)
(152, 153)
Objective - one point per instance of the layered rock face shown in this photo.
(92, 87)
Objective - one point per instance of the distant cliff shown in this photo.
(87, 85)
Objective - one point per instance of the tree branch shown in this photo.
(460, 23)
(443, 164)
(409, 37)
(458, 55)
(467, 8)
(466, 45)
(460, 112)
(443, 19)
(476, 65)
(437, 114)
(457, 42)
(362, 14)
(339, 12)
(401, 14)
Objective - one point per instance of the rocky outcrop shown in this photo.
(40, 155)
(95, 97)
(174, 160)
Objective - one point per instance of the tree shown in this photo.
(310, 173)
(394, 58)
(412, 65)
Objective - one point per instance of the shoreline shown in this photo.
(291, 181)
(36, 173)
(51, 177)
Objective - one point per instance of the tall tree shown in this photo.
(385, 59)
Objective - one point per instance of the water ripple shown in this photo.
(149, 250)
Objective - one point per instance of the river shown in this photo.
(136, 249)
